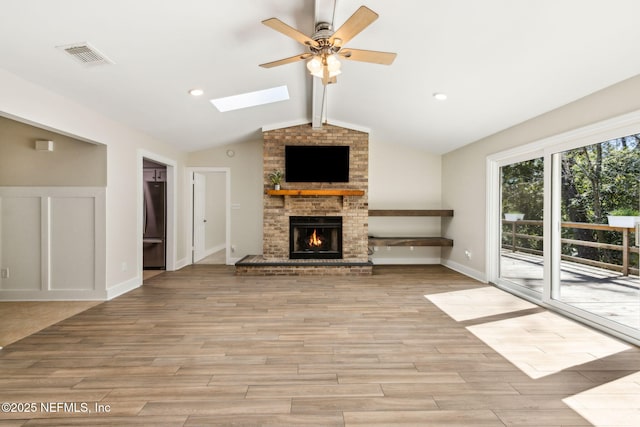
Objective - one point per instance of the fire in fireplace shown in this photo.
(315, 237)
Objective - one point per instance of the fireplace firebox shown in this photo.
(315, 237)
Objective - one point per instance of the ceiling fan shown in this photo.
(325, 46)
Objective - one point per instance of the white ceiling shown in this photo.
(499, 61)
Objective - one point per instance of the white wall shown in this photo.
(463, 170)
(246, 191)
(24, 101)
(402, 177)
(52, 243)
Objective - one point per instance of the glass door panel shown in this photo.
(595, 256)
(521, 250)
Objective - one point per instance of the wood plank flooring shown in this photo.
(23, 318)
(203, 347)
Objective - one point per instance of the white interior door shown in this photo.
(199, 219)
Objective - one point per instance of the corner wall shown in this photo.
(400, 177)
(29, 103)
(246, 191)
(71, 163)
(403, 177)
(464, 186)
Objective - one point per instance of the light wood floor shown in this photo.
(203, 347)
(21, 319)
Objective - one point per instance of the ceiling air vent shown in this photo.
(85, 54)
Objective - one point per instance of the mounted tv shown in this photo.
(316, 163)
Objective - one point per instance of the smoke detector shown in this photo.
(85, 54)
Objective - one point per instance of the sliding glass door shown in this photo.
(521, 225)
(555, 224)
(595, 258)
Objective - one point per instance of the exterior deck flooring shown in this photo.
(605, 293)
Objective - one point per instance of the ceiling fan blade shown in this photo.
(361, 19)
(384, 58)
(284, 61)
(288, 31)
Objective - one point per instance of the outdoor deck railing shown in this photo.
(625, 248)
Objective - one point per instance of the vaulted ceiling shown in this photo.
(500, 62)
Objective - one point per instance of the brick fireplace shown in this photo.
(315, 237)
(306, 199)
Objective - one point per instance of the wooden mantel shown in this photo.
(316, 192)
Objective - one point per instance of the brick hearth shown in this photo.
(278, 208)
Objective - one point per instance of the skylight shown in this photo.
(251, 99)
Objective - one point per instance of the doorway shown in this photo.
(154, 214)
(567, 252)
(595, 255)
(210, 215)
(162, 170)
(521, 261)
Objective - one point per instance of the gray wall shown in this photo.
(71, 163)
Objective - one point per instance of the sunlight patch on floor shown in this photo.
(613, 404)
(544, 343)
(477, 303)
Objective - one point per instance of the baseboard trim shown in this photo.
(52, 295)
(124, 287)
(182, 263)
(405, 261)
(463, 269)
(214, 249)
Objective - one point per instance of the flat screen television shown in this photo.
(316, 163)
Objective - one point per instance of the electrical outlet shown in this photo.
(124, 266)
(4, 273)
(467, 254)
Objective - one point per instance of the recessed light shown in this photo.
(251, 99)
(440, 96)
(196, 92)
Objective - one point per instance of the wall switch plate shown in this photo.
(4, 273)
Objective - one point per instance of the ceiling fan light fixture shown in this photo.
(324, 45)
(314, 65)
(333, 64)
(317, 64)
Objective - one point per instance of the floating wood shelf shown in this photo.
(317, 192)
(409, 241)
(411, 212)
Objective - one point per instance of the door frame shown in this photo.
(623, 125)
(171, 219)
(189, 228)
